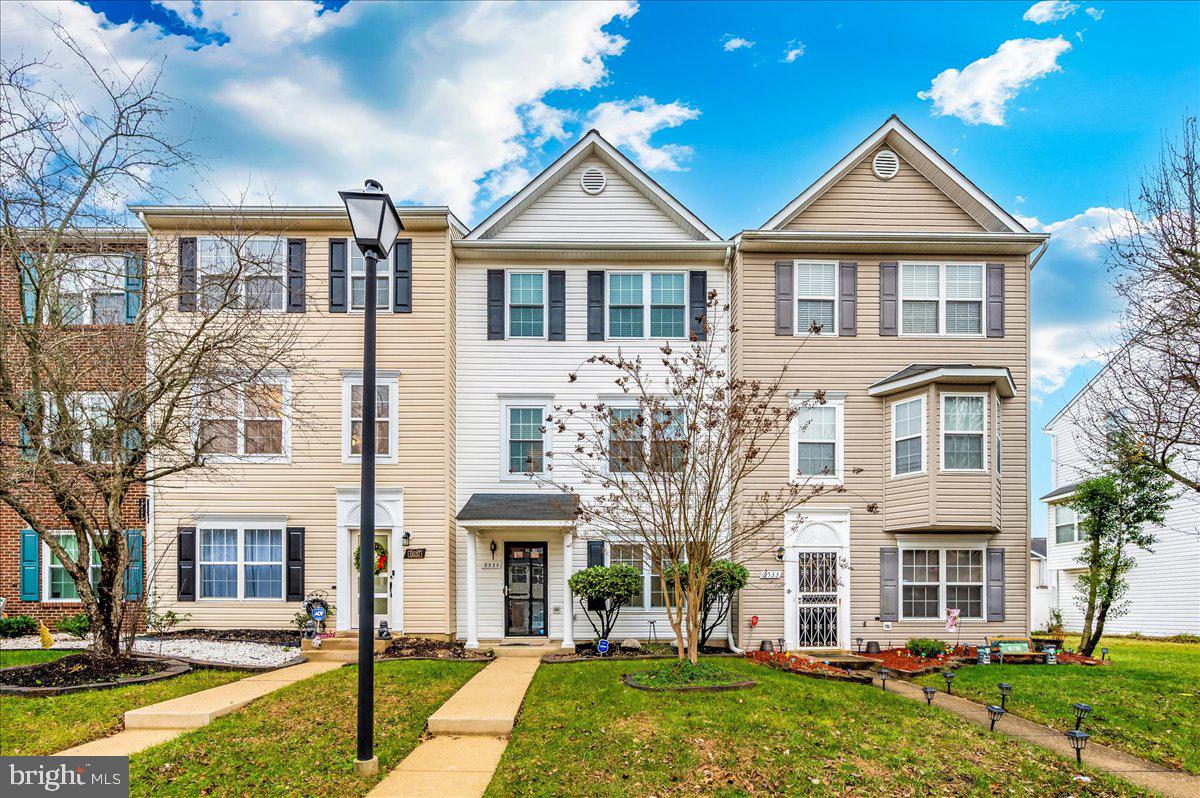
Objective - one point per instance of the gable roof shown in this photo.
(909, 146)
(593, 145)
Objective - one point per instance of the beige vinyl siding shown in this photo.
(852, 364)
(418, 346)
(908, 202)
(565, 212)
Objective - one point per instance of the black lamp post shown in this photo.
(375, 223)
(994, 714)
(1081, 712)
(949, 677)
(1005, 690)
(1078, 740)
(884, 673)
(929, 692)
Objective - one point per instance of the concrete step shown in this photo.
(530, 650)
(323, 654)
(342, 643)
(489, 702)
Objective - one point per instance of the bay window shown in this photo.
(241, 561)
(908, 436)
(963, 432)
(816, 297)
(941, 299)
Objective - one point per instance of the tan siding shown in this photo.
(861, 201)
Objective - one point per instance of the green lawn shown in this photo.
(300, 740)
(1146, 702)
(38, 726)
(31, 656)
(581, 732)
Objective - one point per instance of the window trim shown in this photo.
(839, 445)
(545, 274)
(647, 279)
(94, 287)
(646, 438)
(241, 524)
(387, 274)
(798, 329)
(285, 380)
(507, 403)
(46, 566)
(941, 300)
(983, 469)
(1075, 533)
(89, 401)
(283, 269)
(393, 384)
(924, 436)
(943, 548)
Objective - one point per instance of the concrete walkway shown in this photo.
(1160, 779)
(157, 723)
(471, 732)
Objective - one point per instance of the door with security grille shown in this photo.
(818, 599)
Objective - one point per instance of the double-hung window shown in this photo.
(386, 389)
(526, 304)
(651, 595)
(941, 299)
(653, 302)
(91, 290)
(816, 298)
(936, 580)
(817, 442)
(526, 439)
(963, 432)
(626, 443)
(57, 583)
(920, 583)
(668, 440)
(87, 429)
(241, 561)
(252, 274)
(1066, 524)
(358, 281)
(964, 582)
(249, 420)
(908, 436)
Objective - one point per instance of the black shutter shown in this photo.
(785, 306)
(995, 300)
(186, 564)
(889, 584)
(187, 274)
(889, 299)
(495, 304)
(402, 271)
(295, 285)
(557, 294)
(698, 300)
(295, 563)
(595, 556)
(995, 584)
(595, 305)
(847, 298)
(338, 275)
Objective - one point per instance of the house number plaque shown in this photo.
(414, 554)
(772, 575)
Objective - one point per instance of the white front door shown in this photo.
(384, 578)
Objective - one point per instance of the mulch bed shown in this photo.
(905, 663)
(1077, 659)
(808, 666)
(423, 648)
(77, 672)
(273, 637)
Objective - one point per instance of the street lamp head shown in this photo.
(373, 218)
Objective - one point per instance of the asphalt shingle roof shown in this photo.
(519, 507)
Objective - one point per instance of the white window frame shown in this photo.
(924, 436)
(942, 548)
(201, 269)
(648, 578)
(942, 430)
(393, 385)
(941, 300)
(839, 406)
(1075, 533)
(647, 440)
(508, 336)
(285, 380)
(46, 566)
(91, 285)
(508, 403)
(241, 525)
(89, 403)
(647, 277)
(800, 329)
(386, 276)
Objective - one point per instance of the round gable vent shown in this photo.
(593, 180)
(885, 164)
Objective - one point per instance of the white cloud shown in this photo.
(631, 123)
(1049, 11)
(1086, 232)
(1030, 223)
(979, 92)
(1019, 199)
(1094, 13)
(547, 122)
(1058, 349)
(795, 48)
(732, 43)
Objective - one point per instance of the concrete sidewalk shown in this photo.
(1160, 779)
(471, 732)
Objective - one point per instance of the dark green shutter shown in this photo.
(133, 287)
(29, 565)
(29, 287)
(133, 573)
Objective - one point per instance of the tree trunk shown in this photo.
(1089, 612)
(1089, 643)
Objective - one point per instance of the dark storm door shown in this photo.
(525, 601)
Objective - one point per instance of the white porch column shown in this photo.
(472, 591)
(568, 640)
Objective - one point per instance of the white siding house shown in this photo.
(1164, 588)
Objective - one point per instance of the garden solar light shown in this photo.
(994, 714)
(858, 641)
(1081, 712)
(1078, 740)
(929, 692)
(949, 677)
(1005, 689)
(883, 677)
(1104, 653)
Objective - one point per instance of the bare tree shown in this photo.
(669, 468)
(110, 352)
(1153, 382)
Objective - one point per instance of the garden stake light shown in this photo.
(1005, 689)
(948, 675)
(1081, 712)
(994, 714)
(1103, 654)
(1078, 740)
(858, 641)
(883, 677)
(929, 692)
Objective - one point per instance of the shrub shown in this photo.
(75, 625)
(607, 588)
(725, 577)
(926, 647)
(18, 626)
(1054, 625)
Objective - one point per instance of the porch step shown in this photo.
(489, 702)
(525, 650)
(841, 659)
(341, 643)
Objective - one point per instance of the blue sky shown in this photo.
(735, 108)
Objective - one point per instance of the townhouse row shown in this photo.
(918, 280)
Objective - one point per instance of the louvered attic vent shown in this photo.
(593, 180)
(885, 165)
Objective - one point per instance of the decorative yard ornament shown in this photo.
(310, 630)
(1081, 712)
(952, 620)
(1078, 740)
(1005, 690)
(929, 692)
(753, 621)
(994, 714)
(384, 632)
(983, 654)
(1051, 655)
(858, 641)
